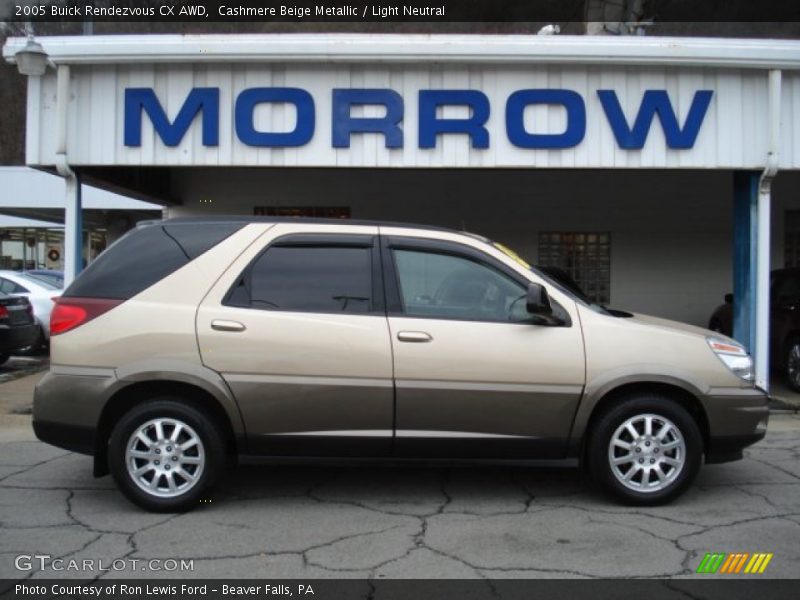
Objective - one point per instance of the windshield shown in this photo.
(49, 278)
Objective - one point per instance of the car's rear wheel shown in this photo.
(645, 450)
(792, 363)
(165, 455)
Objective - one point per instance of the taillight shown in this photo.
(69, 313)
(3, 312)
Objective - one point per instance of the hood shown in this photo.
(666, 324)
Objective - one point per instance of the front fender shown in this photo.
(609, 381)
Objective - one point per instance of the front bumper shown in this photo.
(737, 418)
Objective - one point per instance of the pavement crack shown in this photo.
(27, 468)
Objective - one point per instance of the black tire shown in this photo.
(791, 363)
(211, 451)
(599, 459)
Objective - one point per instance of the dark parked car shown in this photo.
(784, 323)
(18, 328)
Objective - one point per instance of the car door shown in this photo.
(475, 375)
(298, 330)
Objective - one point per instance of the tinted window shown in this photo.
(146, 255)
(57, 281)
(312, 278)
(9, 287)
(453, 287)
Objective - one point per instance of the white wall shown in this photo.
(671, 231)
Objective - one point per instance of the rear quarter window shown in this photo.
(146, 255)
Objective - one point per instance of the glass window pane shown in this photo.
(585, 256)
(320, 279)
(453, 287)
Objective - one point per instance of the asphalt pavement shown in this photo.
(390, 522)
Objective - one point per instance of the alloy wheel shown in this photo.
(647, 453)
(165, 457)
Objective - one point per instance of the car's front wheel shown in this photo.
(645, 450)
(165, 455)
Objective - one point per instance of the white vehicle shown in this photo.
(40, 293)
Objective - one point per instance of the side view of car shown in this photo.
(191, 342)
(18, 328)
(784, 326)
(40, 293)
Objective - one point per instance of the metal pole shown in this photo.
(73, 245)
(763, 248)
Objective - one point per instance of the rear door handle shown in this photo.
(414, 336)
(222, 325)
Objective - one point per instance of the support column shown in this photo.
(745, 236)
(73, 229)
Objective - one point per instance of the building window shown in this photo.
(791, 239)
(320, 212)
(584, 256)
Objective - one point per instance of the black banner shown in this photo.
(390, 11)
(739, 588)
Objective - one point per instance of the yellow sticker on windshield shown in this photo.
(512, 255)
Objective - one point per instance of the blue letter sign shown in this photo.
(344, 124)
(655, 102)
(576, 119)
(246, 104)
(430, 125)
(205, 100)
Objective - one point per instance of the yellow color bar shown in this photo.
(764, 564)
(754, 562)
(758, 563)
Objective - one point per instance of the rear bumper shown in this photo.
(70, 437)
(67, 404)
(737, 418)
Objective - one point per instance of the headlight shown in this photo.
(734, 356)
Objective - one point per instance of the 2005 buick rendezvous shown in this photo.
(191, 341)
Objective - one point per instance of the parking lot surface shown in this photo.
(389, 522)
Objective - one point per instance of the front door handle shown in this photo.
(414, 336)
(222, 325)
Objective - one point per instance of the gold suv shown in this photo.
(190, 342)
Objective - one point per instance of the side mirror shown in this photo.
(537, 301)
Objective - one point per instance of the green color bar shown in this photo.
(711, 562)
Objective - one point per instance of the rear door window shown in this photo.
(309, 278)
